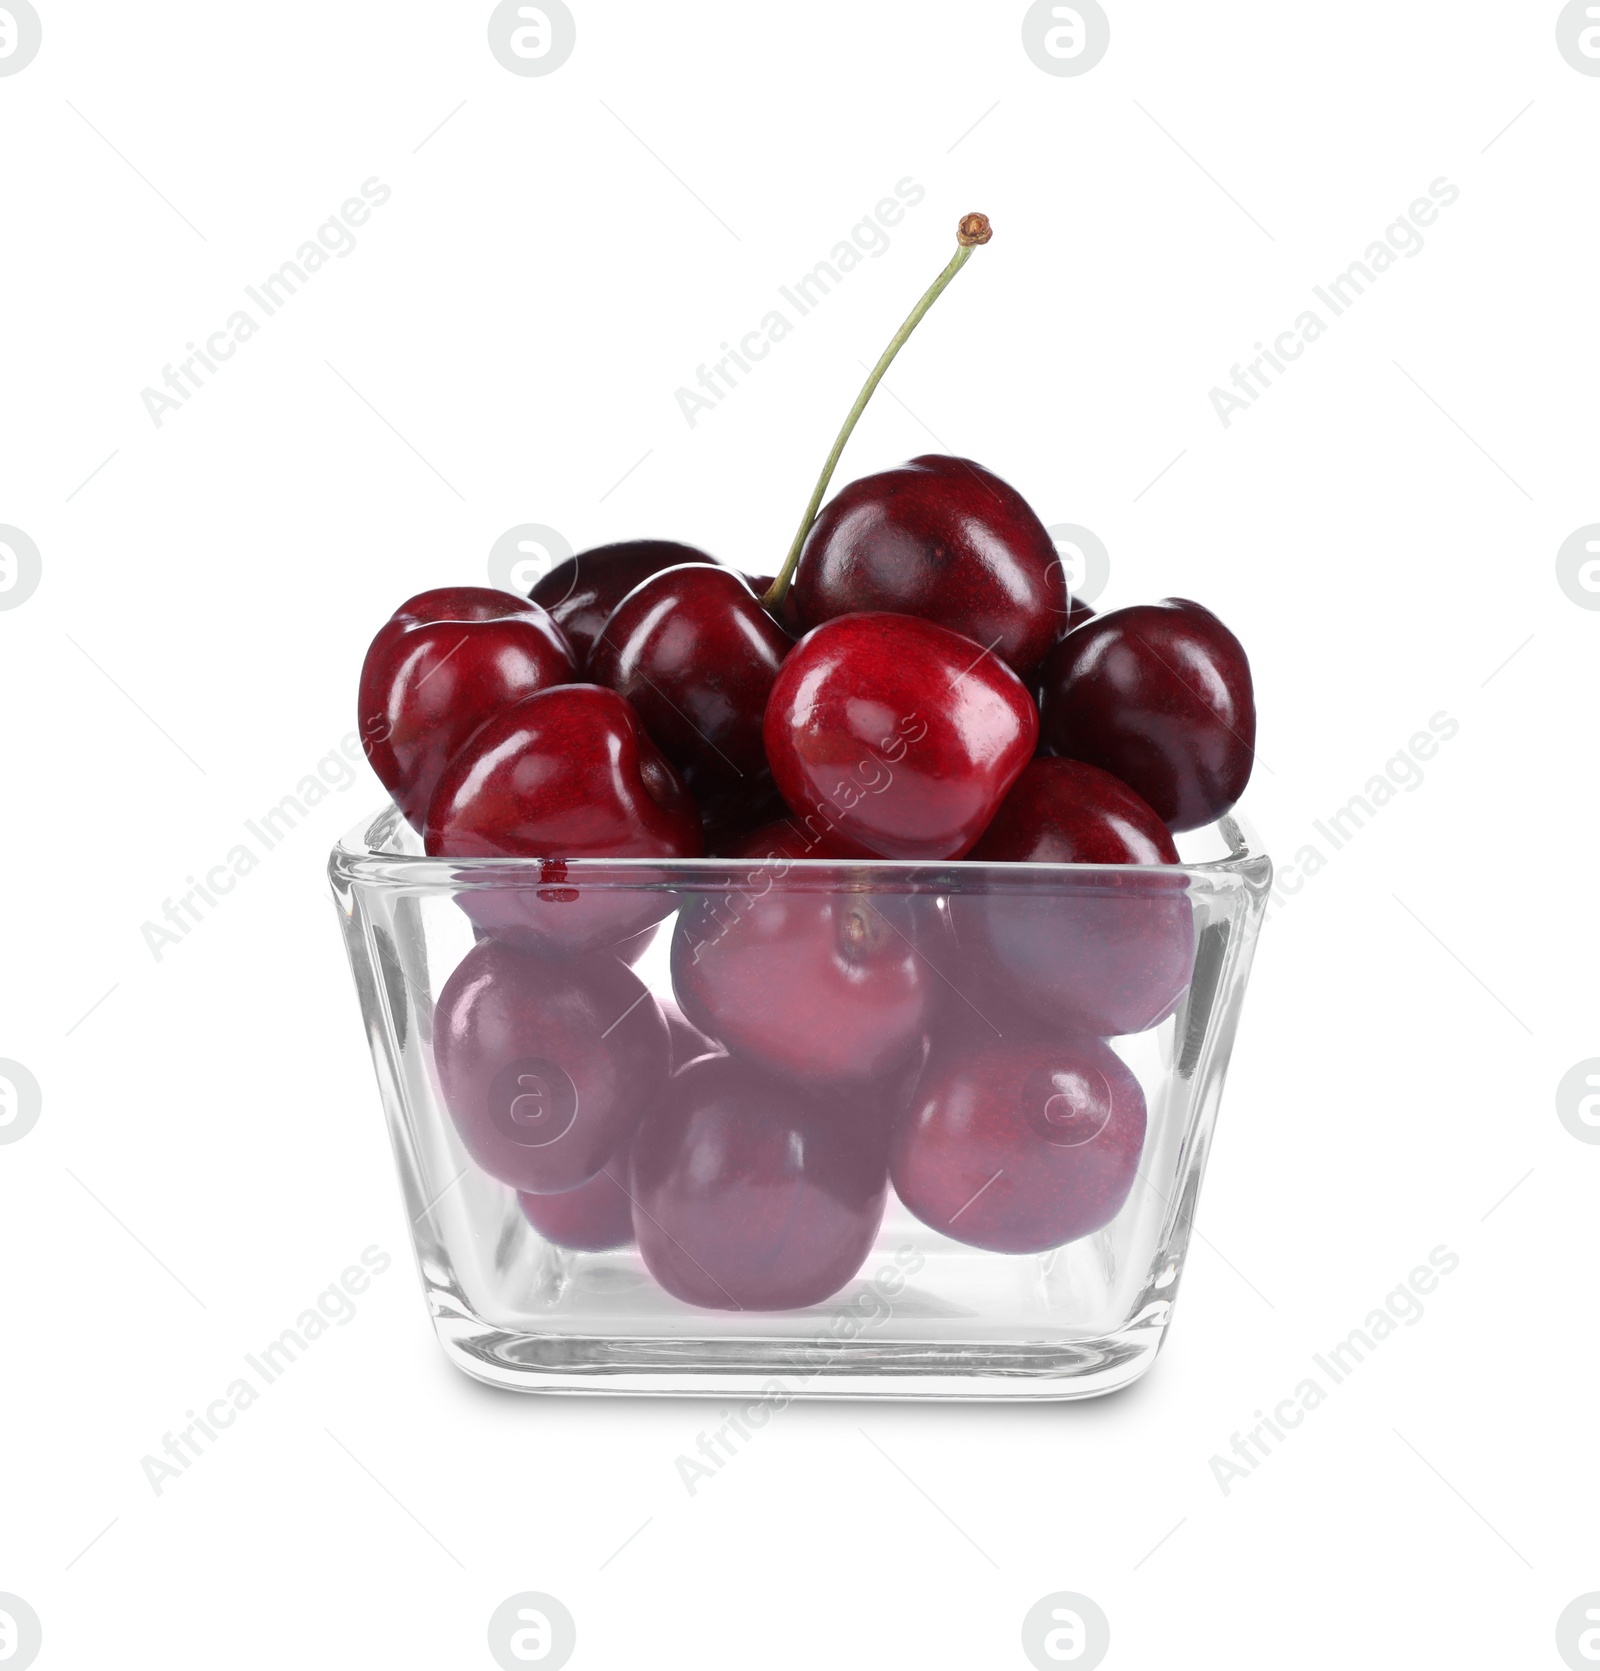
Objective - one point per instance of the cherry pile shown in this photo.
(914, 684)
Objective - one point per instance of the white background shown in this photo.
(555, 261)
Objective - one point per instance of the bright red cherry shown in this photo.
(944, 539)
(1020, 1146)
(1101, 952)
(546, 1067)
(695, 653)
(825, 987)
(1160, 695)
(593, 1218)
(581, 592)
(749, 1194)
(440, 666)
(566, 774)
(902, 735)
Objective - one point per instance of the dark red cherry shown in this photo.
(593, 1218)
(439, 667)
(1108, 951)
(1160, 695)
(818, 982)
(902, 735)
(732, 815)
(749, 1194)
(695, 653)
(581, 592)
(1077, 613)
(1069, 812)
(1020, 1146)
(546, 1066)
(944, 539)
(566, 774)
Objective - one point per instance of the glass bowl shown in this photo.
(870, 1042)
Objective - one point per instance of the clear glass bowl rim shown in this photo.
(360, 856)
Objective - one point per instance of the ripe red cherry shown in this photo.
(439, 667)
(944, 539)
(1020, 1146)
(566, 774)
(1068, 812)
(902, 735)
(593, 1218)
(581, 592)
(695, 653)
(750, 1195)
(825, 987)
(1159, 695)
(545, 1066)
(1099, 952)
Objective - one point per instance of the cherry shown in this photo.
(819, 982)
(581, 592)
(544, 1066)
(1160, 695)
(971, 232)
(695, 653)
(1105, 952)
(566, 774)
(1020, 1146)
(1068, 812)
(439, 667)
(593, 1218)
(749, 1194)
(944, 539)
(901, 735)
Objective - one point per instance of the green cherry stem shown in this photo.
(971, 231)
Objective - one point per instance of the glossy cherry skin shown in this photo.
(1160, 695)
(944, 539)
(581, 592)
(593, 1218)
(1020, 1146)
(566, 774)
(820, 983)
(439, 667)
(1097, 952)
(546, 1066)
(901, 735)
(1069, 812)
(750, 1194)
(695, 653)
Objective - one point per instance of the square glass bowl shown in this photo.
(1036, 1053)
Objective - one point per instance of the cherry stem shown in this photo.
(971, 231)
